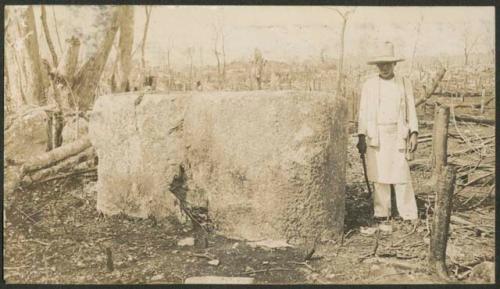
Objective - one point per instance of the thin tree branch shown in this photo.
(57, 31)
(52, 50)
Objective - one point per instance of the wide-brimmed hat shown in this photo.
(385, 54)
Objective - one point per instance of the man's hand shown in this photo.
(413, 141)
(361, 144)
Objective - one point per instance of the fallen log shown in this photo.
(475, 120)
(49, 158)
(434, 86)
(69, 163)
(41, 166)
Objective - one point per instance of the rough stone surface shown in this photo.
(138, 143)
(27, 135)
(271, 164)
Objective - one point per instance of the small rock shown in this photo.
(175, 251)
(265, 262)
(219, 280)
(157, 277)
(186, 242)
(483, 273)
(214, 262)
(80, 264)
(248, 269)
(235, 245)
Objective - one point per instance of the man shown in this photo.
(387, 130)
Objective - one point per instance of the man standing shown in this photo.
(387, 130)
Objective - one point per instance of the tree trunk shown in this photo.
(39, 164)
(70, 64)
(56, 155)
(55, 61)
(143, 47)
(88, 76)
(35, 86)
(57, 30)
(125, 46)
(54, 130)
(475, 120)
(441, 221)
(440, 138)
(13, 70)
(64, 165)
(223, 73)
(341, 57)
(8, 106)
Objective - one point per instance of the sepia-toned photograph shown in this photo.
(163, 144)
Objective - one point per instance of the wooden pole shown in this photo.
(441, 222)
(445, 183)
(440, 148)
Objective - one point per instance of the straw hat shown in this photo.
(385, 53)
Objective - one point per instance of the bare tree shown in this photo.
(345, 17)
(13, 68)
(220, 54)
(125, 43)
(52, 50)
(35, 86)
(258, 67)
(87, 78)
(57, 30)
(469, 43)
(190, 53)
(148, 10)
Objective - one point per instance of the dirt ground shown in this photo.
(53, 234)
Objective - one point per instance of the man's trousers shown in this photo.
(405, 200)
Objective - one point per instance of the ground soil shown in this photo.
(53, 234)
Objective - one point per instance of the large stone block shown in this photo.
(139, 146)
(271, 164)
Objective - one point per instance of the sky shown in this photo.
(288, 33)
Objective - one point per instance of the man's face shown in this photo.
(386, 68)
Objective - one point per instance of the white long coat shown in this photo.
(387, 144)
